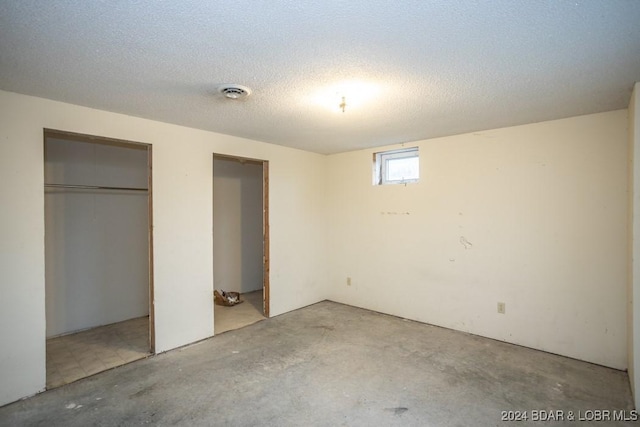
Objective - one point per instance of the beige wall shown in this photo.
(182, 213)
(544, 209)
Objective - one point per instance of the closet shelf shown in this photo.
(94, 187)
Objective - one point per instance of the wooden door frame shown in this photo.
(265, 239)
(266, 300)
(93, 139)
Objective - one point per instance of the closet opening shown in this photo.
(240, 240)
(98, 254)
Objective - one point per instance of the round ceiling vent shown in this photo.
(232, 91)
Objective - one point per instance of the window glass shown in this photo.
(396, 166)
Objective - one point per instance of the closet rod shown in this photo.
(94, 187)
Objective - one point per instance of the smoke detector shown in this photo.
(233, 91)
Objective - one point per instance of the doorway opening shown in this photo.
(240, 239)
(98, 254)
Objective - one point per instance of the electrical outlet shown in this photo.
(348, 281)
(501, 307)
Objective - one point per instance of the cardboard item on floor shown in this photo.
(227, 298)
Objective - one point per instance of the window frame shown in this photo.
(380, 165)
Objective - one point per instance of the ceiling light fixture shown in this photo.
(334, 96)
(233, 91)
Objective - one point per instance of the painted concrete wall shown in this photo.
(97, 251)
(633, 308)
(182, 213)
(237, 225)
(533, 216)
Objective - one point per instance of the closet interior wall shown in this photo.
(238, 235)
(96, 239)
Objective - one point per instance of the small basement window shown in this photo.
(396, 166)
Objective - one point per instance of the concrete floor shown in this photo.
(331, 365)
(239, 316)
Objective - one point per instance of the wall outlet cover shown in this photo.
(501, 308)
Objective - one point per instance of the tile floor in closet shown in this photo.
(241, 315)
(74, 356)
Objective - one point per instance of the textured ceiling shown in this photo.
(409, 70)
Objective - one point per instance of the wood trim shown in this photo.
(265, 231)
(152, 311)
(93, 139)
(239, 159)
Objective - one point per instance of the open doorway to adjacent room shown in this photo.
(240, 239)
(98, 254)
